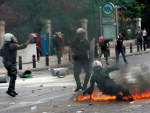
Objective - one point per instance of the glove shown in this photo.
(88, 91)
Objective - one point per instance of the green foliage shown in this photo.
(27, 15)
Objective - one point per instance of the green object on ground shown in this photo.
(28, 75)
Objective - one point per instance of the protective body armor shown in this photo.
(9, 53)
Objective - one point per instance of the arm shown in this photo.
(22, 46)
(70, 54)
(108, 46)
(100, 52)
(110, 69)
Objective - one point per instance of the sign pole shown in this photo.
(101, 22)
(116, 15)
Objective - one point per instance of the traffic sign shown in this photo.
(108, 9)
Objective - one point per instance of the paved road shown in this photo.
(45, 93)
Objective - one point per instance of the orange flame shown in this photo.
(98, 96)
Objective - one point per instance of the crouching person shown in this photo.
(105, 84)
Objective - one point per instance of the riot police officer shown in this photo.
(104, 83)
(9, 54)
(79, 53)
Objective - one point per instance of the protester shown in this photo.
(9, 54)
(120, 48)
(144, 32)
(105, 83)
(139, 37)
(103, 48)
(58, 44)
(79, 52)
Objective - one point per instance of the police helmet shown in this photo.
(8, 37)
(80, 30)
(34, 35)
(96, 63)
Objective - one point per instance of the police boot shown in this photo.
(10, 93)
(84, 86)
(77, 89)
(86, 80)
(127, 94)
(13, 91)
(12, 86)
(78, 86)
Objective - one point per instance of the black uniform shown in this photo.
(9, 55)
(58, 44)
(139, 38)
(120, 49)
(105, 49)
(80, 48)
(105, 83)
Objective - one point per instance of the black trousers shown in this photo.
(12, 73)
(118, 51)
(140, 41)
(78, 65)
(111, 88)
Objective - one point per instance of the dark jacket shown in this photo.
(104, 44)
(99, 76)
(119, 45)
(139, 34)
(57, 42)
(9, 53)
(80, 48)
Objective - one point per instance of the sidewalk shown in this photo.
(40, 65)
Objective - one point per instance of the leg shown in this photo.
(117, 56)
(77, 71)
(109, 86)
(12, 73)
(124, 93)
(124, 57)
(141, 43)
(144, 44)
(106, 56)
(59, 55)
(86, 67)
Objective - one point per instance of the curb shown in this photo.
(68, 64)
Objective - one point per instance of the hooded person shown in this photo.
(104, 83)
(9, 55)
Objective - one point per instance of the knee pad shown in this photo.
(13, 77)
(13, 72)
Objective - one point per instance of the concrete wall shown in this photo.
(126, 43)
(25, 53)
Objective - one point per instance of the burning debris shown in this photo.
(134, 85)
(99, 96)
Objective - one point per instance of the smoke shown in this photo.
(142, 78)
(135, 77)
